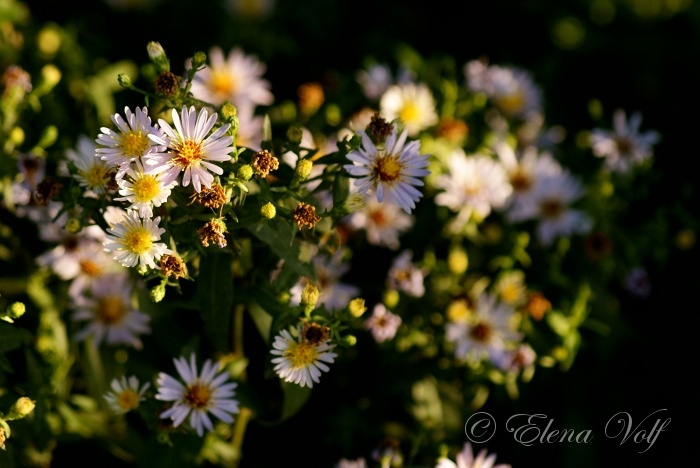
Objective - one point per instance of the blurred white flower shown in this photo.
(383, 223)
(466, 459)
(625, 146)
(126, 394)
(405, 276)
(383, 324)
(413, 104)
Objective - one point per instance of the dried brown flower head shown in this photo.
(378, 128)
(213, 232)
(315, 334)
(172, 265)
(264, 162)
(213, 197)
(167, 83)
(305, 215)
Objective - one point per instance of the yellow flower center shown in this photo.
(135, 144)
(552, 209)
(481, 332)
(511, 103)
(409, 112)
(96, 176)
(198, 396)
(458, 311)
(188, 153)
(90, 268)
(221, 82)
(301, 354)
(138, 240)
(388, 168)
(111, 309)
(128, 400)
(146, 188)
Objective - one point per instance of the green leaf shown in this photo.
(277, 234)
(295, 397)
(215, 297)
(12, 337)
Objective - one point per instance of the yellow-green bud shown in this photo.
(48, 137)
(457, 261)
(158, 292)
(303, 168)
(199, 59)
(354, 203)
(391, 298)
(124, 80)
(350, 340)
(357, 307)
(245, 172)
(142, 270)
(228, 111)
(294, 135)
(73, 225)
(309, 295)
(17, 136)
(50, 76)
(268, 210)
(22, 407)
(16, 310)
(156, 53)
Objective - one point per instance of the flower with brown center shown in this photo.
(264, 162)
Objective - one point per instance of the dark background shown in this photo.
(636, 61)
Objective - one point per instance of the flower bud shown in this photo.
(73, 225)
(294, 135)
(245, 172)
(158, 292)
(268, 210)
(22, 407)
(199, 59)
(350, 340)
(357, 307)
(354, 203)
(457, 261)
(309, 295)
(14, 311)
(303, 169)
(124, 80)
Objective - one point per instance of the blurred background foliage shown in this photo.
(589, 57)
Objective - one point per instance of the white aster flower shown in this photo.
(109, 312)
(302, 356)
(236, 78)
(92, 173)
(525, 169)
(126, 394)
(190, 150)
(466, 459)
(347, 463)
(383, 324)
(144, 189)
(65, 259)
(550, 205)
(411, 103)
(383, 223)
(204, 393)
(473, 184)
(375, 80)
(624, 146)
(405, 276)
(390, 170)
(250, 128)
(487, 332)
(133, 241)
(130, 142)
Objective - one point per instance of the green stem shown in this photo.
(95, 372)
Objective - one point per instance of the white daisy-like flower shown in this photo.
(624, 146)
(126, 394)
(525, 169)
(390, 170)
(329, 269)
(236, 78)
(301, 358)
(190, 150)
(383, 324)
(512, 89)
(466, 459)
(383, 223)
(473, 184)
(93, 262)
(523, 357)
(129, 142)
(65, 259)
(551, 206)
(412, 103)
(375, 80)
(487, 332)
(144, 189)
(250, 128)
(204, 393)
(109, 313)
(133, 241)
(92, 173)
(347, 463)
(405, 276)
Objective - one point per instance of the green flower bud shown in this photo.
(199, 59)
(303, 168)
(245, 172)
(357, 307)
(22, 407)
(228, 111)
(158, 292)
(16, 310)
(350, 340)
(124, 80)
(268, 210)
(294, 135)
(73, 225)
(309, 295)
